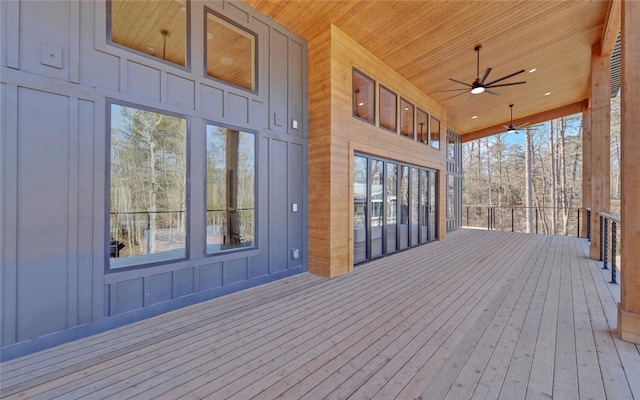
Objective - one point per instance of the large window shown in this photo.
(148, 221)
(230, 189)
(364, 100)
(230, 52)
(156, 28)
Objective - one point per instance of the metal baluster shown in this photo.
(601, 236)
(511, 219)
(614, 242)
(578, 229)
(589, 225)
(605, 243)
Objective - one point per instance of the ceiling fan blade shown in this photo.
(460, 82)
(451, 90)
(491, 92)
(455, 95)
(486, 73)
(504, 77)
(507, 84)
(523, 125)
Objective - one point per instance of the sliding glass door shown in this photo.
(377, 209)
(360, 202)
(394, 207)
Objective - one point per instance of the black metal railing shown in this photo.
(514, 219)
(609, 243)
(136, 232)
(588, 224)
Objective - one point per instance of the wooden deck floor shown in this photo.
(480, 315)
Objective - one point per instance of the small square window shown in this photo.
(155, 28)
(364, 97)
(388, 109)
(230, 52)
(423, 126)
(435, 132)
(406, 118)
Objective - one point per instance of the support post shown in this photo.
(629, 307)
(600, 143)
(586, 169)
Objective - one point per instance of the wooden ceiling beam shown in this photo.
(531, 119)
(611, 28)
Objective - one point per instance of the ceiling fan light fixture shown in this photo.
(511, 130)
(477, 90)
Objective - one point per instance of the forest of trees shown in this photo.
(533, 177)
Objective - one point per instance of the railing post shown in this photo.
(614, 242)
(488, 218)
(493, 218)
(578, 224)
(511, 219)
(536, 221)
(467, 215)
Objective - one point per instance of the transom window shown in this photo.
(155, 28)
(406, 118)
(423, 126)
(435, 132)
(364, 98)
(388, 109)
(230, 52)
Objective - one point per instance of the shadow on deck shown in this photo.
(483, 314)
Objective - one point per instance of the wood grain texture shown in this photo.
(428, 42)
(586, 168)
(334, 136)
(630, 145)
(600, 144)
(482, 314)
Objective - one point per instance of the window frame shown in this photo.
(107, 210)
(427, 119)
(354, 99)
(187, 65)
(395, 117)
(435, 144)
(256, 48)
(256, 235)
(412, 125)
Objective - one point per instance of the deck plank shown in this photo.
(483, 314)
(602, 309)
(517, 377)
(590, 383)
(542, 369)
(565, 377)
(498, 279)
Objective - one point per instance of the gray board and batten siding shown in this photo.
(59, 76)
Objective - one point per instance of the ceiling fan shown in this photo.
(511, 128)
(480, 85)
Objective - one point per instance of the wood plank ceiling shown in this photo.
(429, 42)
